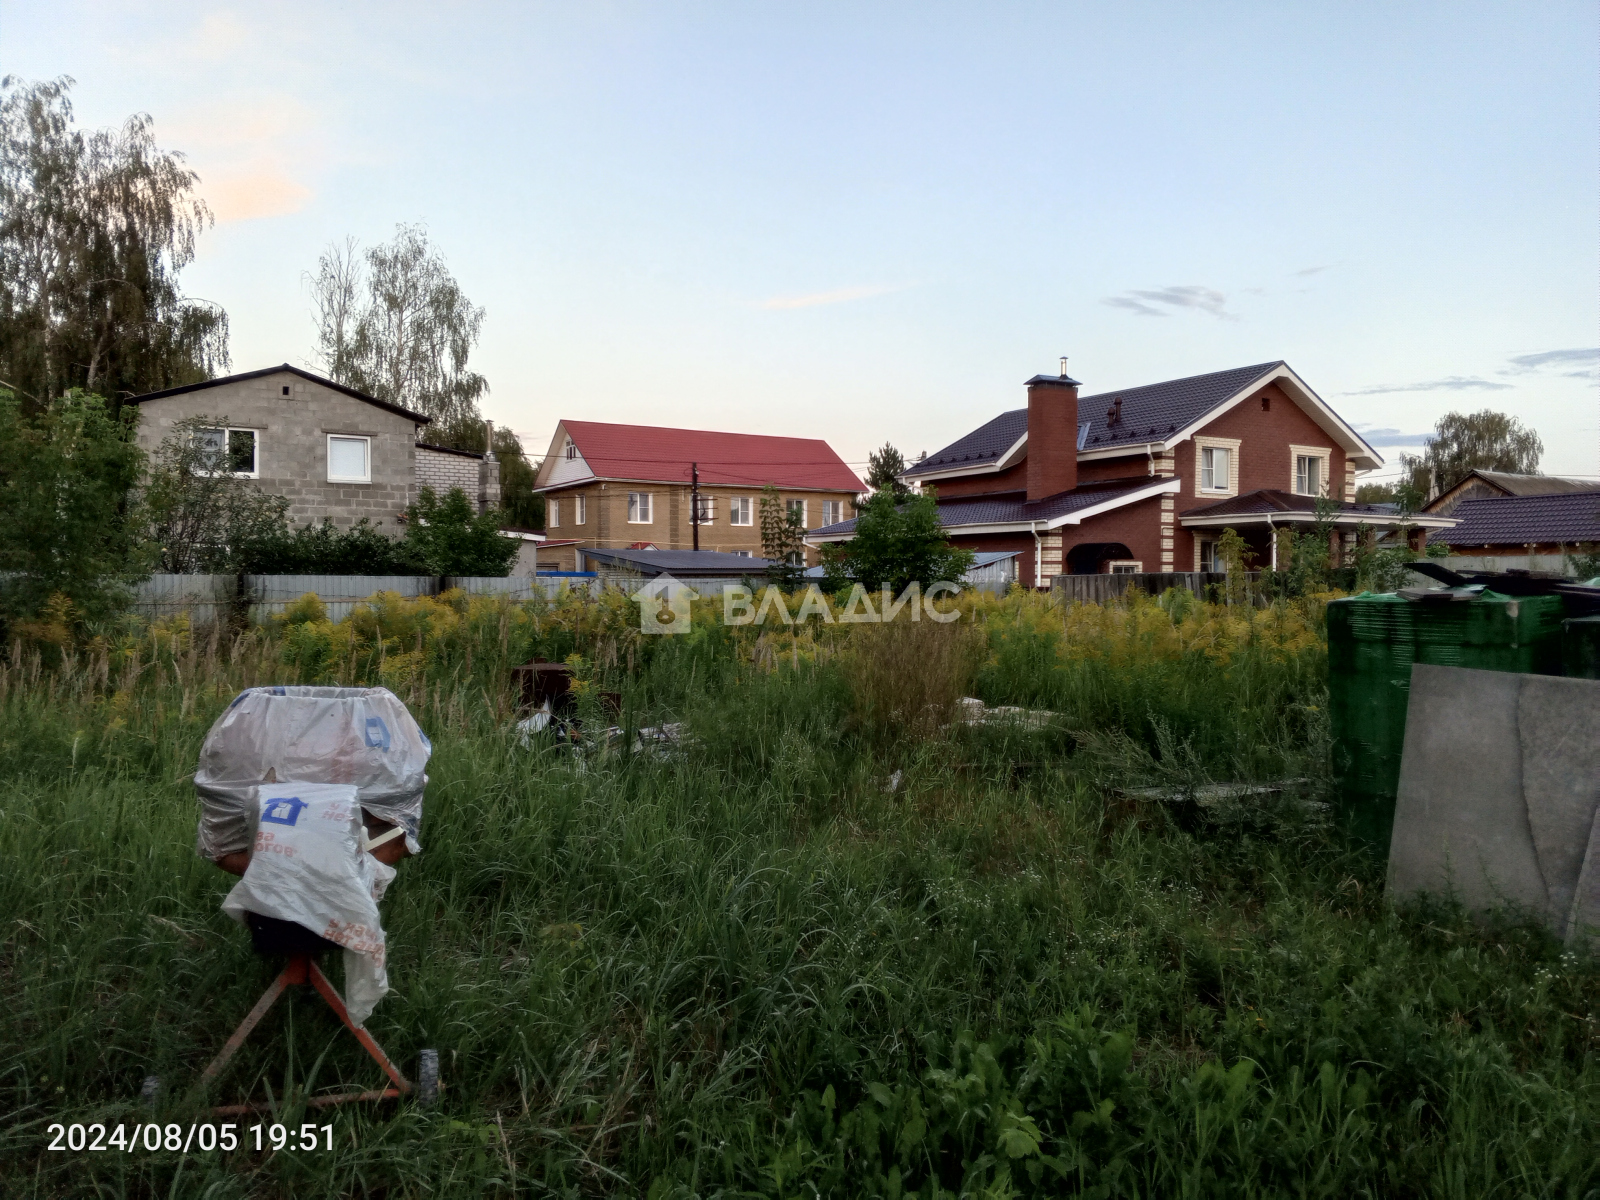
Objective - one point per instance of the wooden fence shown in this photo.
(1103, 589)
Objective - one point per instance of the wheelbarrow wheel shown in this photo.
(428, 1078)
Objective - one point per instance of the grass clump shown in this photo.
(748, 967)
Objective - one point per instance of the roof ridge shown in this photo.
(784, 437)
(1188, 378)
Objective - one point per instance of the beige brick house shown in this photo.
(612, 487)
(331, 450)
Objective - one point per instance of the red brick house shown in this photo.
(1147, 478)
(611, 487)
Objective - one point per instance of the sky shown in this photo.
(872, 222)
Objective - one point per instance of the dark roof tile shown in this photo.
(1151, 411)
(1518, 520)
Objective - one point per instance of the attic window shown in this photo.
(572, 450)
(1266, 402)
(286, 389)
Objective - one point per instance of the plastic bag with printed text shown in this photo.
(364, 737)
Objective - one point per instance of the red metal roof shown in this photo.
(663, 455)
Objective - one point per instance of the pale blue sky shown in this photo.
(872, 222)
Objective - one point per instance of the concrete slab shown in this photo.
(1583, 919)
(1559, 728)
(1460, 824)
(1499, 799)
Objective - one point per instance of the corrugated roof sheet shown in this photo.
(1518, 520)
(661, 454)
(1013, 508)
(1149, 413)
(1535, 485)
(682, 562)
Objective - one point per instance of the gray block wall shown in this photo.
(293, 417)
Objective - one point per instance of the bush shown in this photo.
(67, 539)
(895, 546)
(448, 537)
(326, 550)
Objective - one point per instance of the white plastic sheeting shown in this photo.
(364, 737)
(308, 865)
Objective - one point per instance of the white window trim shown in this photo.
(747, 506)
(708, 510)
(226, 430)
(1200, 543)
(838, 506)
(1298, 452)
(570, 450)
(580, 510)
(804, 523)
(348, 437)
(649, 506)
(1231, 445)
(1136, 564)
(553, 516)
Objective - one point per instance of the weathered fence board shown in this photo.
(1103, 589)
(269, 595)
(206, 598)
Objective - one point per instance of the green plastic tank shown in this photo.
(1580, 647)
(1373, 640)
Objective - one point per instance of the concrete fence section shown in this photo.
(1555, 564)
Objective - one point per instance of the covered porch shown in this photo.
(1260, 516)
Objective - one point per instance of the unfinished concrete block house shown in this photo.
(1147, 478)
(331, 450)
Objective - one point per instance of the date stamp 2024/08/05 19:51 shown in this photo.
(152, 1138)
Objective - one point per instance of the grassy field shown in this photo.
(759, 966)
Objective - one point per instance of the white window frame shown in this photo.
(744, 553)
(795, 558)
(832, 512)
(349, 437)
(580, 510)
(1200, 546)
(1201, 445)
(708, 510)
(789, 507)
(571, 451)
(1125, 566)
(552, 516)
(227, 431)
(1324, 483)
(741, 506)
(641, 503)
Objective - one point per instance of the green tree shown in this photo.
(201, 515)
(783, 536)
(94, 228)
(450, 537)
(883, 472)
(895, 545)
(65, 526)
(394, 323)
(1467, 442)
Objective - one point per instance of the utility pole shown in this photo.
(694, 501)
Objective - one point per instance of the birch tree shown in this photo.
(94, 228)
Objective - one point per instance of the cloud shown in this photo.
(1451, 383)
(248, 195)
(1303, 272)
(251, 154)
(838, 296)
(1580, 363)
(1146, 303)
(1393, 437)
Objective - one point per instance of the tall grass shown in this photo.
(749, 967)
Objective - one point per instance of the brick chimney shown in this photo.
(1052, 434)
